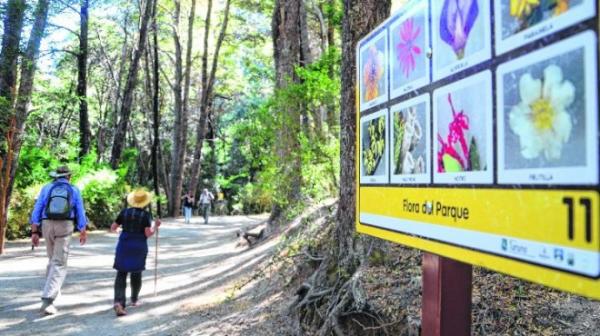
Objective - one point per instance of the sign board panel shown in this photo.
(478, 136)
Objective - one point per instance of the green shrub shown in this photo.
(254, 199)
(19, 211)
(103, 194)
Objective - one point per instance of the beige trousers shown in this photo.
(57, 234)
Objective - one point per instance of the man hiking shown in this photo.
(57, 209)
(205, 198)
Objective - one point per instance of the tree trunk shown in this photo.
(332, 117)
(13, 26)
(208, 81)
(85, 133)
(180, 123)
(8, 163)
(125, 113)
(360, 17)
(5, 162)
(181, 107)
(155, 110)
(290, 44)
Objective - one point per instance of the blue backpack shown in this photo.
(59, 204)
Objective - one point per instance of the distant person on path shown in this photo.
(205, 199)
(132, 248)
(188, 204)
(57, 209)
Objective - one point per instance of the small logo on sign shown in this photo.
(559, 255)
(504, 244)
(570, 259)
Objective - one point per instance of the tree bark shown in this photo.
(8, 162)
(181, 105)
(180, 123)
(11, 37)
(125, 113)
(360, 17)
(290, 44)
(332, 117)
(85, 133)
(155, 110)
(207, 95)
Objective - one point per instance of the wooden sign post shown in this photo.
(446, 300)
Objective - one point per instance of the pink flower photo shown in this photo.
(408, 49)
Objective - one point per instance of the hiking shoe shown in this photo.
(50, 310)
(119, 310)
(45, 305)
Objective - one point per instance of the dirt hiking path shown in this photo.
(197, 265)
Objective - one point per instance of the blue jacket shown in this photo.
(77, 208)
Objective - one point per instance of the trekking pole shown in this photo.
(156, 259)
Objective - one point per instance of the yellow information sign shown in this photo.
(479, 141)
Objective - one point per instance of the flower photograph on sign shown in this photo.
(463, 137)
(540, 119)
(409, 36)
(373, 71)
(461, 35)
(373, 139)
(409, 141)
(522, 21)
(458, 151)
(545, 103)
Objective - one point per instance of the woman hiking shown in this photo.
(132, 248)
(188, 205)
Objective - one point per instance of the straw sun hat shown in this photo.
(139, 198)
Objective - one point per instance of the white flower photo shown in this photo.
(547, 115)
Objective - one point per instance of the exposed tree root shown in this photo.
(333, 300)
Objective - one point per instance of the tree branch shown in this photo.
(166, 77)
(54, 50)
(68, 6)
(64, 28)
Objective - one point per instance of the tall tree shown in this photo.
(8, 162)
(208, 81)
(360, 17)
(85, 133)
(130, 84)
(155, 108)
(181, 93)
(179, 124)
(290, 44)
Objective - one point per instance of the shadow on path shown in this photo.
(195, 262)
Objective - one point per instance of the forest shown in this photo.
(193, 89)
(254, 100)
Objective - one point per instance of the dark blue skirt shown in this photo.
(131, 253)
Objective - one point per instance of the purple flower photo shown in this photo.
(462, 35)
(456, 21)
